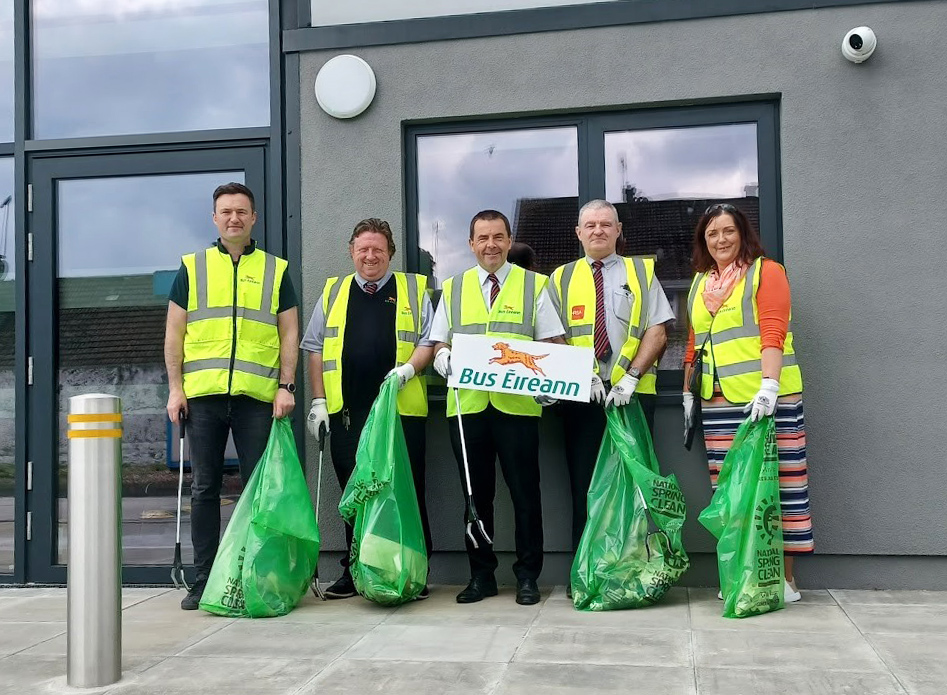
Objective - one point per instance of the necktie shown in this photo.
(494, 289)
(371, 287)
(602, 349)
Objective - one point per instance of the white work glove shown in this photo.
(405, 373)
(318, 417)
(442, 362)
(764, 402)
(598, 389)
(545, 400)
(622, 392)
(688, 407)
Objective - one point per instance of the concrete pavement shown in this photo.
(858, 642)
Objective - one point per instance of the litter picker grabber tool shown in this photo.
(314, 583)
(473, 519)
(177, 568)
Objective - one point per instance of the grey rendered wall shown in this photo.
(864, 175)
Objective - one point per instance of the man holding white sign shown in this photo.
(506, 303)
(616, 306)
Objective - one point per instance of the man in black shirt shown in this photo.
(364, 327)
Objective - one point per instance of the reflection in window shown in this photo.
(113, 67)
(7, 353)
(516, 172)
(120, 244)
(6, 71)
(661, 181)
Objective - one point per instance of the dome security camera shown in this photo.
(859, 44)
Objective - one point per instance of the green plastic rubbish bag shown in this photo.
(270, 548)
(631, 550)
(388, 558)
(746, 518)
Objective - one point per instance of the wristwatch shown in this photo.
(289, 387)
(634, 372)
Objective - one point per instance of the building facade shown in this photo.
(528, 106)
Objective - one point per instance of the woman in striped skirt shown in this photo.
(740, 321)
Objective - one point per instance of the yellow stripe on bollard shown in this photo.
(94, 417)
(86, 434)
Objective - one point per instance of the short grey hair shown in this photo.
(598, 204)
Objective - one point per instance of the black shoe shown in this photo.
(425, 593)
(478, 589)
(192, 601)
(569, 591)
(527, 593)
(344, 587)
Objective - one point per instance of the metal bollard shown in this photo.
(94, 573)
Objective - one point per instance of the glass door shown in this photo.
(109, 233)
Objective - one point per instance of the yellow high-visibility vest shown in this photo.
(735, 345)
(231, 343)
(574, 285)
(513, 315)
(411, 288)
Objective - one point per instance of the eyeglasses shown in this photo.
(724, 207)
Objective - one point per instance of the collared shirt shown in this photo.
(619, 302)
(548, 324)
(315, 333)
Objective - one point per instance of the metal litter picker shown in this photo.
(177, 568)
(314, 583)
(473, 519)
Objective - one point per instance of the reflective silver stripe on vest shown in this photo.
(456, 297)
(525, 328)
(637, 330)
(564, 313)
(408, 337)
(332, 332)
(224, 363)
(203, 312)
(330, 365)
(333, 294)
(692, 296)
(415, 310)
(748, 367)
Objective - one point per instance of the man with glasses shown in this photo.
(230, 350)
(617, 307)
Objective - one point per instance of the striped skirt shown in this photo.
(720, 420)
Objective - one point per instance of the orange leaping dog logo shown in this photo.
(510, 356)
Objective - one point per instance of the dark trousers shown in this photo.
(209, 422)
(584, 426)
(343, 443)
(513, 439)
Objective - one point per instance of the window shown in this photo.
(6, 72)
(111, 68)
(7, 374)
(330, 12)
(661, 168)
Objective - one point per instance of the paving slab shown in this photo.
(610, 646)
(915, 598)
(35, 674)
(184, 675)
(350, 611)
(670, 613)
(523, 678)
(347, 676)
(439, 643)
(918, 661)
(442, 608)
(706, 615)
(810, 597)
(717, 681)
(17, 637)
(756, 649)
(891, 618)
(251, 638)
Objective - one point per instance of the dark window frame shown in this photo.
(763, 110)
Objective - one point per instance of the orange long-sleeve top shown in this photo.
(774, 302)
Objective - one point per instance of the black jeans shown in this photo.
(210, 419)
(343, 443)
(584, 426)
(514, 439)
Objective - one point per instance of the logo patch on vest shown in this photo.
(507, 309)
(578, 312)
(249, 278)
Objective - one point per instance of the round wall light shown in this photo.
(345, 86)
